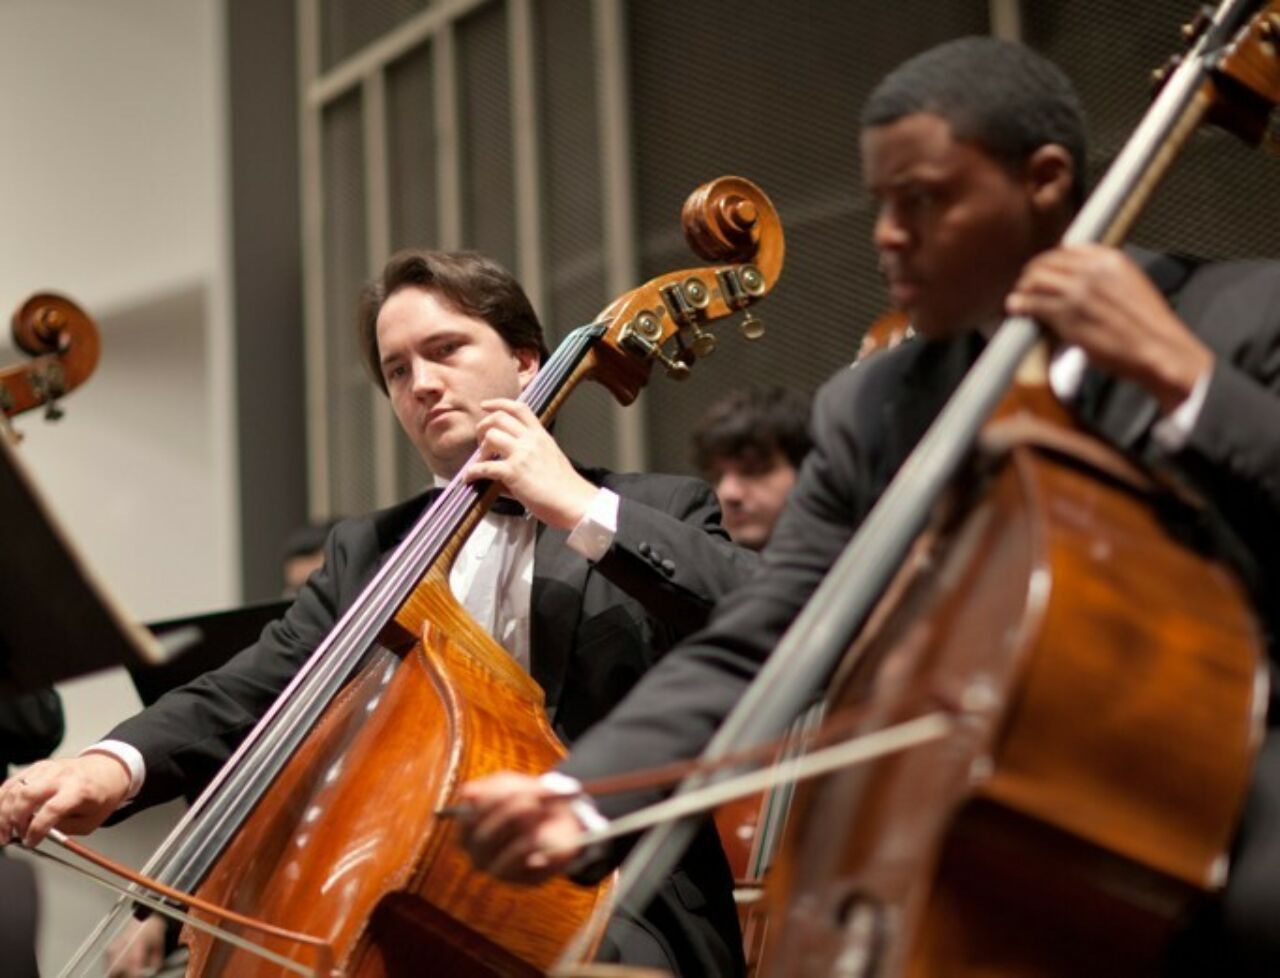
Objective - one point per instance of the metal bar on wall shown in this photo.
(1006, 19)
(622, 265)
(388, 48)
(378, 244)
(444, 90)
(313, 305)
(528, 184)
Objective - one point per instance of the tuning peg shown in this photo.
(677, 369)
(1162, 74)
(701, 343)
(751, 327)
(684, 300)
(1193, 28)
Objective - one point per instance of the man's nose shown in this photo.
(729, 488)
(890, 233)
(426, 378)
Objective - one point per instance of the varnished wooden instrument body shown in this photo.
(389, 888)
(1107, 678)
(1110, 687)
(740, 826)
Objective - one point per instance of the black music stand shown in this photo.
(56, 619)
(206, 641)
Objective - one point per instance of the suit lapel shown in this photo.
(559, 581)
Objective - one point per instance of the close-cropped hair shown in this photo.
(1002, 96)
(753, 423)
(470, 282)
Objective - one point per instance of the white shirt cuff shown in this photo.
(1173, 431)
(1170, 433)
(581, 806)
(593, 536)
(584, 810)
(126, 754)
(1066, 371)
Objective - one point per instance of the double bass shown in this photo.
(322, 825)
(1042, 836)
(1104, 714)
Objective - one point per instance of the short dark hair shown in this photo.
(753, 422)
(1004, 97)
(472, 283)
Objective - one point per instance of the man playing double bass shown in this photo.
(615, 569)
(975, 153)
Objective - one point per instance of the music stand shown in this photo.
(57, 620)
(208, 640)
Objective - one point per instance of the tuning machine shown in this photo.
(751, 327)
(49, 384)
(685, 301)
(740, 287)
(642, 337)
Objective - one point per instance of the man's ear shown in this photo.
(1050, 173)
(527, 364)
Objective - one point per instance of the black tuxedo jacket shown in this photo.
(865, 422)
(596, 629)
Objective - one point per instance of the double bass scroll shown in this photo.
(63, 342)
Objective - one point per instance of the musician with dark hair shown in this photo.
(974, 153)
(610, 572)
(749, 445)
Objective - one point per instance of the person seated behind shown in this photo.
(749, 445)
(624, 565)
(303, 555)
(975, 154)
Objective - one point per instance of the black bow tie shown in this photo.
(505, 506)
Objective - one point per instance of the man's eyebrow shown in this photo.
(445, 336)
(919, 174)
